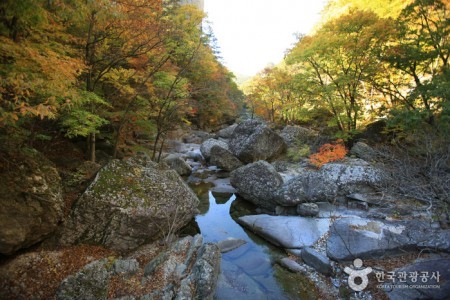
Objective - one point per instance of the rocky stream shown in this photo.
(227, 216)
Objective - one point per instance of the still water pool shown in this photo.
(250, 271)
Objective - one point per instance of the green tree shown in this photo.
(420, 53)
(20, 17)
(340, 59)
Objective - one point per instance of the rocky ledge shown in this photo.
(187, 270)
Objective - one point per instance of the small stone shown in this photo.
(358, 205)
(230, 244)
(308, 209)
(291, 265)
(316, 260)
(177, 163)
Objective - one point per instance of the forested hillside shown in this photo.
(108, 69)
(367, 60)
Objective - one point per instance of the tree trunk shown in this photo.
(160, 149)
(91, 148)
(155, 144)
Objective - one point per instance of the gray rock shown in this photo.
(91, 282)
(207, 145)
(253, 140)
(230, 244)
(316, 260)
(257, 183)
(426, 236)
(177, 163)
(224, 159)
(194, 155)
(297, 134)
(150, 268)
(352, 238)
(31, 201)
(353, 175)
(307, 187)
(363, 151)
(286, 211)
(358, 205)
(371, 199)
(129, 203)
(204, 274)
(438, 289)
(206, 271)
(288, 232)
(364, 238)
(129, 266)
(308, 209)
(187, 269)
(227, 132)
(331, 181)
(292, 266)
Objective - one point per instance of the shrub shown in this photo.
(296, 153)
(328, 153)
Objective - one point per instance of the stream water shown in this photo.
(250, 271)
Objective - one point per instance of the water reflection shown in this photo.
(246, 272)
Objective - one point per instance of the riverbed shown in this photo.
(250, 271)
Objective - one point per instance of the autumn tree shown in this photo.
(110, 35)
(419, 53)
(340, 60)
(20, 17)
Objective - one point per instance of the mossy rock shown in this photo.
(130, 202)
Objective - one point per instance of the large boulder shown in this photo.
(352, 238)
(207, 145)
(253, 140)
(177, 163)
(363, 151)
(257, 183)
(224, 159)
(287, 232)
(295, 134)
(31, 201)
(129, 203)
(331, 181)
(227, 132)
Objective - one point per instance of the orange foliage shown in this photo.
(328, 153)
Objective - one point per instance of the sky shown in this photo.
(252, 34)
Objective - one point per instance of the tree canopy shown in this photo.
(363, 62)
(109, 68)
